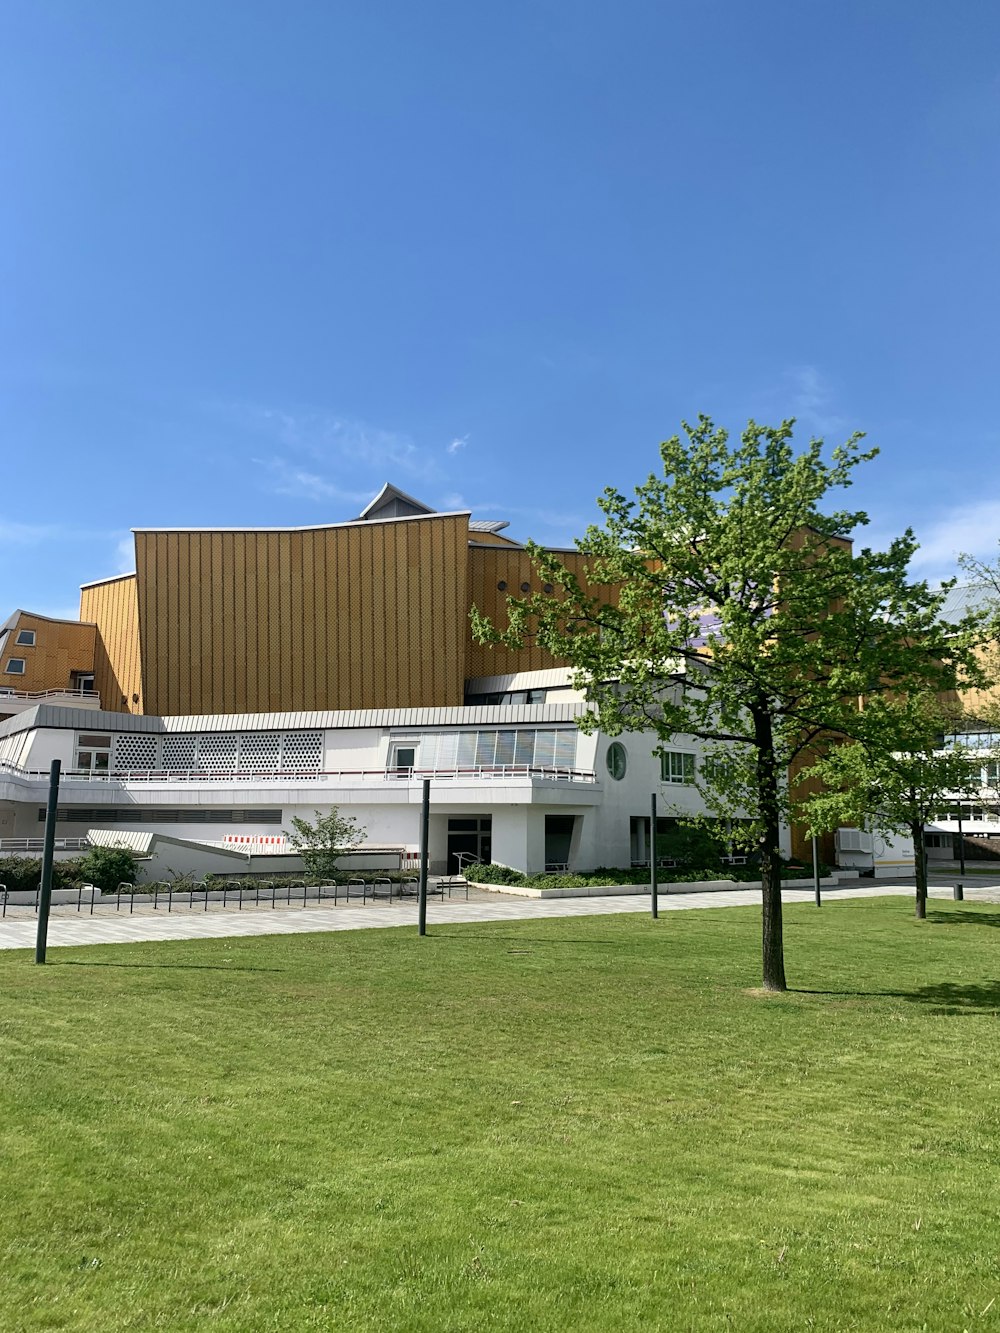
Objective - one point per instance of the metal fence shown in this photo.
(237, 893)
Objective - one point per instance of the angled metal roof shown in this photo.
(966, 597)
(488, 524)
(51, 716)
(387, 494)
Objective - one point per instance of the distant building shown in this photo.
(241, 677)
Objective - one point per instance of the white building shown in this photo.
(512, 782)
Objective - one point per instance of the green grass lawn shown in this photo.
(575, 1124)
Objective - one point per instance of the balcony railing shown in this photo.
(481, 773)
(9, 845)
(22, 696)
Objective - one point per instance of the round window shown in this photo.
(617, 760)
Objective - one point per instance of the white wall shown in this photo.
(48, 744)
(518, 838)
(356, 748)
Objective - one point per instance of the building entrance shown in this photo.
(469, 839)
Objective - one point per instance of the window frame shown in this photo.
(25, 638)
(616, 750)
(687, 776)
(11, 670)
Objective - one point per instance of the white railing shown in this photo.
(482, 773)
(6, 693)
(8, 845)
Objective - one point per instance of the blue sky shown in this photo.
(258, 258)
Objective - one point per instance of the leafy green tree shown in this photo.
(107, 867)
(897, 774)
(322, 843)
(724, 604)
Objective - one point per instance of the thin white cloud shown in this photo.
(28, 534)
(459, 442)
(347, 444)
(298, 482)
(972, 529)
(812, 401)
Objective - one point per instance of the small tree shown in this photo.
(107, 867)
(898, 775)
(722, 603)
(322, 843)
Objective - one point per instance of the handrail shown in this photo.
(38, 844)
(484, 772)
(7, 693)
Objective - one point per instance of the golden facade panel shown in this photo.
(113, 606)
(362, 615)
(55, 653)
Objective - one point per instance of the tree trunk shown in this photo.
(920, 867)
(772, 941)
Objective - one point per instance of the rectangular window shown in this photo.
(25, 638)
(677, 767)
(93, 754)
(402, 759)
(15, 666)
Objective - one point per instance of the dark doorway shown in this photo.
(469, 839)
(558, 841)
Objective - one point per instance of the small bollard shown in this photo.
(958, 894)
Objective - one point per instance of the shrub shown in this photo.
(494, 874)
(23, 874)
(691, 846)
(107, 867)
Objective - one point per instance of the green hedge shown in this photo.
(605, 877)
(104, 867)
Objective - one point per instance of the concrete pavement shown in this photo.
(103, 928)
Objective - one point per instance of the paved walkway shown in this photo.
(118, 929)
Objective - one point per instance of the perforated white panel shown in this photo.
(217, 754)
(302, 751)
(179, 753)
(260, 752)
(134, 753)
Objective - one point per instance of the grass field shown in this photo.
(576, 1124)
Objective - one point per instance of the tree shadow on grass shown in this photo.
(162, 967)
(944, 997)
(465, 934)
(963, 917)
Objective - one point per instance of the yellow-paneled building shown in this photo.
(372, 613)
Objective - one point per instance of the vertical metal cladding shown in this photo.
(488, 568)
(361, 615)
(113, 606)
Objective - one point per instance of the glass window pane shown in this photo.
(565, 749)
(545, 748)
(524, 747)
(505, 747)
(486, 748)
